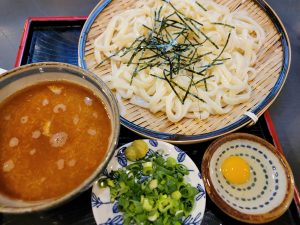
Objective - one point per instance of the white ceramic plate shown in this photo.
(106, 212)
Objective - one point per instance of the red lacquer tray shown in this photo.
(56, 39)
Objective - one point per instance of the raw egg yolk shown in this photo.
(235, 170)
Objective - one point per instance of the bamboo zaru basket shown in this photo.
(273, 61)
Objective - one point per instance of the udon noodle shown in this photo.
(213, 71)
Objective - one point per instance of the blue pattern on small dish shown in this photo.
(249, 197)
(117, 220)
(181, 157)
(153, 142)
(107, 213)
(121, 157)
(193, 220)
(199, 175)
(96, 201)
(181, 154)
(149, 153)
(201, 192)
(267, 193)
(115, 208)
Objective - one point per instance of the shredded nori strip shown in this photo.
(172, 54)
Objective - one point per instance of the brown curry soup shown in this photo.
(53, 135)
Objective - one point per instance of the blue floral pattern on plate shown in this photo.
(115, 208)
(117, 220)
(201, 192)
(107, 213)
(96, 201)
(193, 220)
(181, 154)
(121, 156)
(153, 142)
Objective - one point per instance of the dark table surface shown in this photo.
(285, 110)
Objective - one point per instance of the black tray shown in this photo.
(56, 39)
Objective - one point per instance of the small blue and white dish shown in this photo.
(267, 193)
(106, 212)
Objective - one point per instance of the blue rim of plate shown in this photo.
(119, 160)
(244, 120)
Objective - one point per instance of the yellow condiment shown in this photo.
(236, 170)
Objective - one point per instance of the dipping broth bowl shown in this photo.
(18, 79)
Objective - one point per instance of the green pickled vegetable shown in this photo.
(152, 190)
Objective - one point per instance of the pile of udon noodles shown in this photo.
(228, 82)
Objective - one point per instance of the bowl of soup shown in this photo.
(59, 126)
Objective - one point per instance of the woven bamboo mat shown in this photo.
(269, 64)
